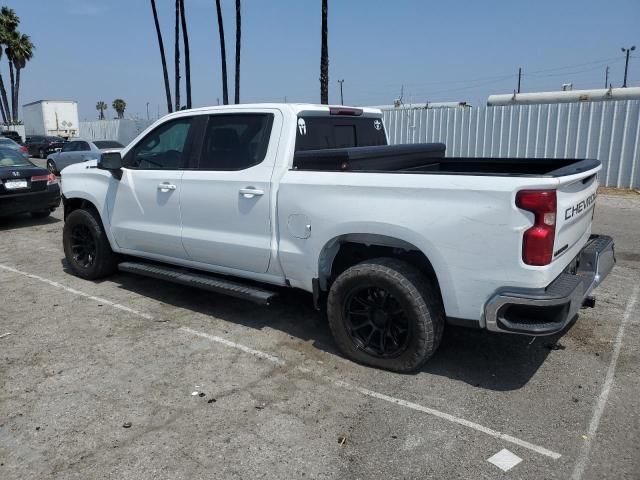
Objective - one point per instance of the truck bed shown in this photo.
(429, 158)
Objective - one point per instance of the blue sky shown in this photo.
(90, 50)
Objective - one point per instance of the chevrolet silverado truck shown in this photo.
(394, 241)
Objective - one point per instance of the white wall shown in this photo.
(15, 128)
(606, 131)
(122, 131)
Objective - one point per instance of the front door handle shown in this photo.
(250, 192)
(165, 187)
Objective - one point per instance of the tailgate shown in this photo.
(576, 195)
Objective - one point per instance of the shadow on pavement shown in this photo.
(25, 221)
(498, 362)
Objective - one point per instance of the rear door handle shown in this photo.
(165, 187)
(250, 192)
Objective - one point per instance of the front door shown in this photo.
(145, 202)
(226, 197)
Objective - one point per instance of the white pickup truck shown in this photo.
(395, 241)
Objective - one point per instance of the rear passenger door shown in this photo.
(226, 195)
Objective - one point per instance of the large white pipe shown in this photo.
(431, 105)
(597, 95)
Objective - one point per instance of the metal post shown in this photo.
(519, 77)
(341, 97)
(606, 77)
(626, 63)
(147, 110)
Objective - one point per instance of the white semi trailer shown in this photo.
(51, 117)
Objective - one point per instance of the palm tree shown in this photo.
(187, 63)
(223, 55)
(10, 40)
(8, 23)
(324, 59)
(165, 72)
(238, 35)
(102, 106)
(3, 94)
(177, 57)
(119, 105)
(21, 52)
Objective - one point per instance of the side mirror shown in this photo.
(111, 161)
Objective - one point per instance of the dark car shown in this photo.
(13, 135)
(43, 145)
(26, 188)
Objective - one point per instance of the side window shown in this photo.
(69, 147)
(82, 147)
(162, 149)
(235, 141)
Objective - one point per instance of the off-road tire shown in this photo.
(105, 261)
(413, 290)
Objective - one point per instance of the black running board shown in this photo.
(201, 281)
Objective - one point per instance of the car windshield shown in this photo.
(101, 144)
(11, 158)
(55, 139)
(7, 141)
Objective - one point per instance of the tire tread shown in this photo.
(428, 312)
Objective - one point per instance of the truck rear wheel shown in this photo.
(385, 313)
(86, 245)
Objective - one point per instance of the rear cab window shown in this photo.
(320, 132)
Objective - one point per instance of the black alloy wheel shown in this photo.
(83, 246)
(376, 322)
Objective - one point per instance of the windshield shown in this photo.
(11, 158)
(55, 139)
(107, 144)
(7, 141)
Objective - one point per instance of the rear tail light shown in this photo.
(24, 149)
(51, 179)
(537, 241)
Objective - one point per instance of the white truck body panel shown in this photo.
(51, 117)
(467, 226)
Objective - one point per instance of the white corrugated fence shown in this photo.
(122, 131)
(607, 131)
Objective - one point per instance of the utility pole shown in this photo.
(341, 97)
(519, 77)
(606, 77)
(626, 63)
(147, 110)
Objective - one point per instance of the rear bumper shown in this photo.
(549, 310)
(30, 201)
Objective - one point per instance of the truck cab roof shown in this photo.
(295, 108)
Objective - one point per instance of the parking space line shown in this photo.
(76, 292)
(339, 383)
(237, 346)
(381, 396)
(581, 464)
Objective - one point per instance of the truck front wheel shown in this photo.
(86, 245)
(385, 313)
